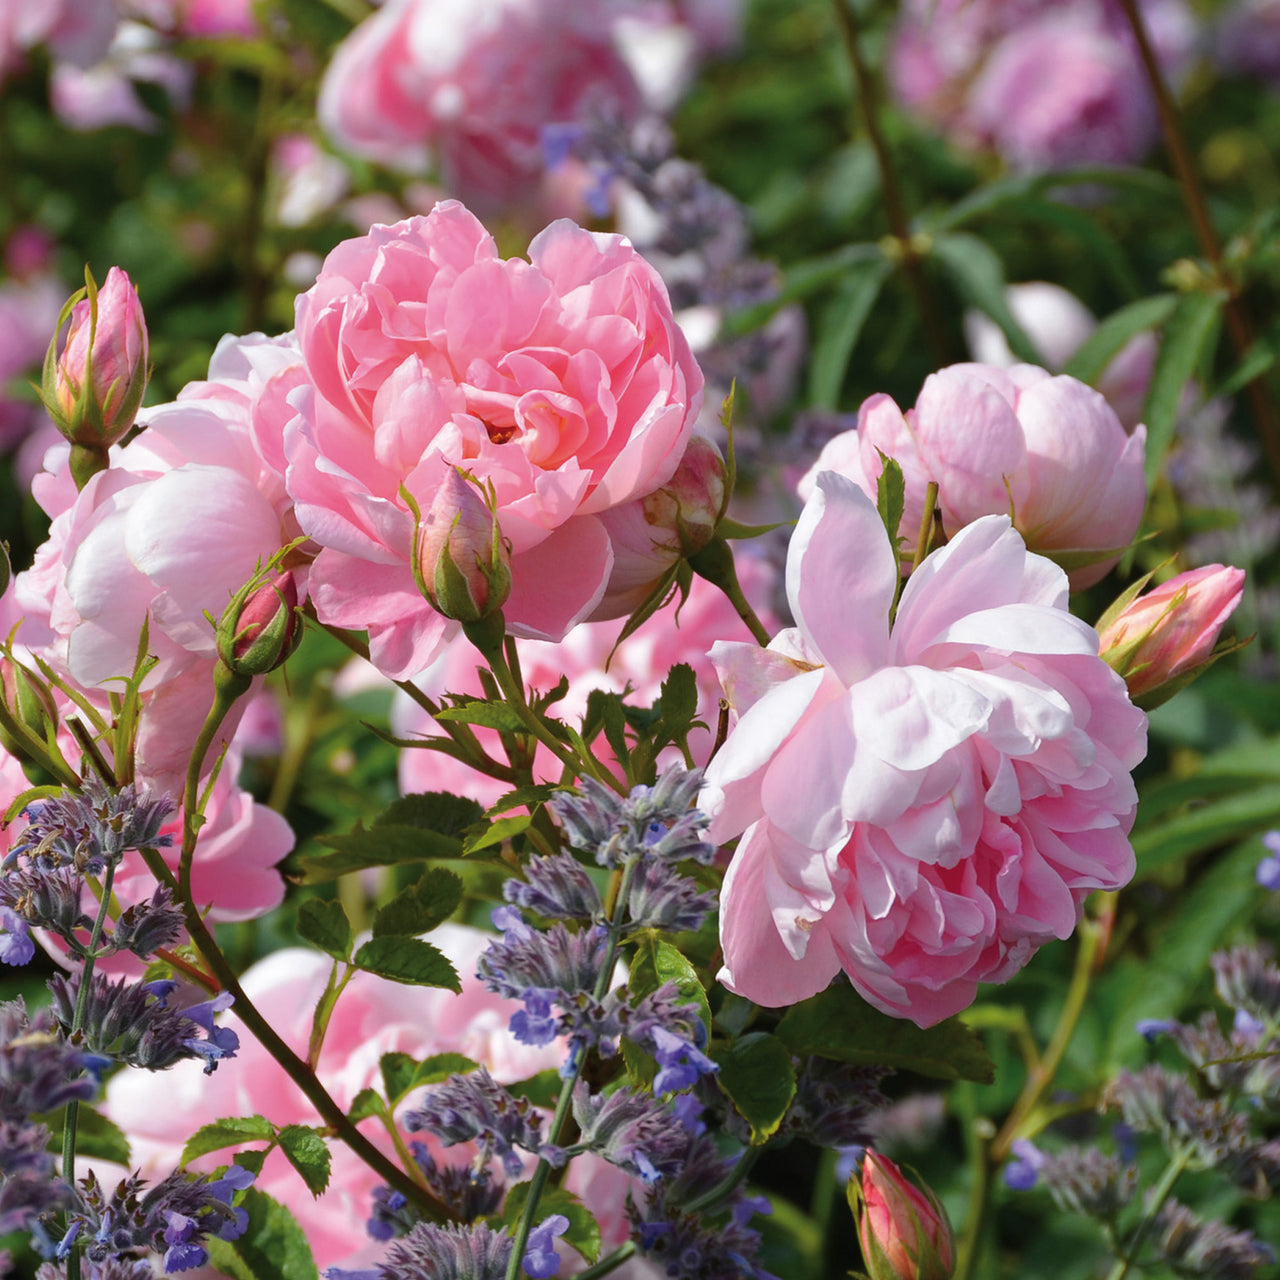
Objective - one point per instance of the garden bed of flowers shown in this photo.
(639, 638)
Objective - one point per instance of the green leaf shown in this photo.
(978, 276)
(420, 907)
(678, 702)
(402, 1073)
(1257, 360)
(1186, 334)
(380, 846)
(1206, 827)
(323, 923)
(230, 1132)
(756, 1072)
(407, 960)
(438, 811)
(308, 1153)
(1104, 343)
(495, 832)
(366, 1103)
(274, 1247)
(840, 1024)
(658, 962)
(891, 500)
(843, 319)
(529, 796)
(583, 1232)
(605, 710)
(96, 1137)
(489, 715)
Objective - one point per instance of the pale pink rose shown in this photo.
(472, 83)
(1046, 86)
(159, 1112)
(641, 661)
(563, 381)
(1058, 323)
(925, 804)
(1048, 450)
(309, 181)
(77, 31)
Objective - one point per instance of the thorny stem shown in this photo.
(294, 1067)
(890, 188)
(72, 1118)
(1239, 325)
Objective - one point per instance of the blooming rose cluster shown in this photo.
(1046, 86)
(921, 803)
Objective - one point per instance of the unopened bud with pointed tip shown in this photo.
(1161, 641)
(904, 1231)
(28, 701)
(462, 562)
(93, 389)
(261, 626)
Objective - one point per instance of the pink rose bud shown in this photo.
(1161, 641)
(93, 390)
(904, 1232)
(463, 564)
(261, 626)
(648, 535)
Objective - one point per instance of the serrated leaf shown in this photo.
(402, 1073)
(438, 811)
(497, 831)
(840, 1024)
(273, 1247)
(1186, 334)
(420, 907)
(605, 710)
(891, 490)
(757, 1073)
(97, 1138)
(228, 1132)
(489, 715)
(366, 1103)
(376, 847)
(308, 1152)
(583, 1232)
(251, 1160)
(323, 923)
(529, 796)
(408, 960)
(1103, 344)
(978, 275)
(658, 962)
(843, 319)
(678, 700)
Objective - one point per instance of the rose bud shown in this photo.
(28, 701)
(1161, 641)
(463, 563)
(261, 626)
(904, 1232)
(93, 390)
(650, 534)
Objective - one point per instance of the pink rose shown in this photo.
(1048, 450)
(924, 804)
(474, 82)
(563, 381)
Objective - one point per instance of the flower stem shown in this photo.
(72, 1117)
(890, 188)
(715, 563)
(1154, 1203)
(1239, 325)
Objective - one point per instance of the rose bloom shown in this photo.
(474, 82)
(1048, 449)
(924, 804)
(563, 381)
